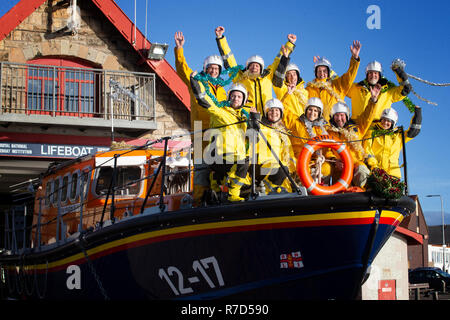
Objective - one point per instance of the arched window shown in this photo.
(62, 87)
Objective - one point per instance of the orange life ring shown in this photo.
(324, 141)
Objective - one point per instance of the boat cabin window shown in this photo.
(85, 181)
(65, 183)
(74, 185)
(56, 191)
(49, 192)
(128, 182)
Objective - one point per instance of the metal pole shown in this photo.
(405, 169)
(443, 234)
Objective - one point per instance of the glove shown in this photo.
(398, 64)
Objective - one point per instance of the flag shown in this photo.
(291, 260)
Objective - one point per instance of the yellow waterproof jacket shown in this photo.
(386, 148)
(198, 113)
(227, 143)
(331, 91)
(260, 88)
(279, 143)
(303, 130)
(352, 133)
(359, 93)
(294, 102)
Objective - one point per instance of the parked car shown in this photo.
(435, 277)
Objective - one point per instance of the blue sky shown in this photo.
(415, 31)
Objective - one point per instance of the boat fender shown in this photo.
(324, 141)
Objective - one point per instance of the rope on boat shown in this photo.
(92, 270)
(36, 284)
(28, 291)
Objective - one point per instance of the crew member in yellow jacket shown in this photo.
(306, 126)
(384, 140)
(256, 78)
(342, 128)
(333, 90)
(268, 169)
(212, 66)
(292, 92)
(359, 93)
(227, 151)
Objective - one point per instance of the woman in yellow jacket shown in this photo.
(268, 169)
(306, 126)
(256, 78)
(359, 93)
(227, 152)
(331, 91)
(384, 140)
(212, 66)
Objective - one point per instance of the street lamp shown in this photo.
(443, 224)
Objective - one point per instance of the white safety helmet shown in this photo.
(214, 59)
(391, 115)
(273, 103)
(375, 66)
(315, 102)
(238, 87)
(322, 62)
(293, 66)
(257, 59)
(340, 107)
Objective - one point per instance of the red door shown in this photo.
(386, 290)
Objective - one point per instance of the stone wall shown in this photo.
(97, 42)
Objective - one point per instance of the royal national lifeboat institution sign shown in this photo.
(68, 151)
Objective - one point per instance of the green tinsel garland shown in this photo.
(377, 132)
(385, 185)
(205, 78)
(406, 101)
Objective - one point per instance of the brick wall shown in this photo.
(96, 41)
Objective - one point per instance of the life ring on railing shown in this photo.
(324, 141)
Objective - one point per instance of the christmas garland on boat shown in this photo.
(385, 185)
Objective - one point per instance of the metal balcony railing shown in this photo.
(46, 94)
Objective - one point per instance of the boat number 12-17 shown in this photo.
(175, 278)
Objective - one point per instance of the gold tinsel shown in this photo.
(325, 86)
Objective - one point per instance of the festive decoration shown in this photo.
(352, 139)
(385, 185)
(377, 132)
(400, 64)
(429, 82)
(325, 86)
(205, 78)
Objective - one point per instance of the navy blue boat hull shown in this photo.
(309, 255)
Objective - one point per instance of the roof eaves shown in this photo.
(16, 15)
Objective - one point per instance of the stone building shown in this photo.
(76, 75)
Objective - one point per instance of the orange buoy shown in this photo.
(324, 141)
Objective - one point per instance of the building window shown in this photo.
(63, 87)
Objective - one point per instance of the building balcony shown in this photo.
(48, 95)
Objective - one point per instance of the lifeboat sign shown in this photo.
(47, 150)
